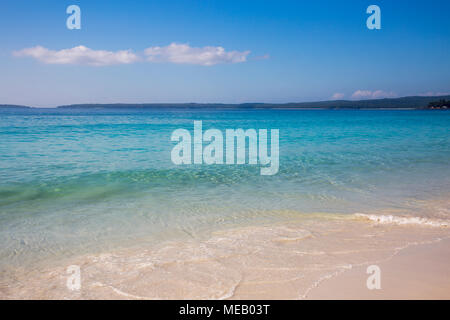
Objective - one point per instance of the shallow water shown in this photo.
(75, 182)
(275, 261)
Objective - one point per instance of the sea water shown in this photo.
(86, 181)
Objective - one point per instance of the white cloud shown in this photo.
(337, 96)
(78, 55)
(173, 53)
(184, 54)
(362, 94)
(367, 94)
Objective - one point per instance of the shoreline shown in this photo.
(310, 258)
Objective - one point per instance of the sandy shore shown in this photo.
(311, 258)
(417, 272)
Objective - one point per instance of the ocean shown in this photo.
(77, 182)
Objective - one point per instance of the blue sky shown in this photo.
(298, 51)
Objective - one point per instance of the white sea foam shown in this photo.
(403, 220)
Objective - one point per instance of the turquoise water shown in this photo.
(83, 180)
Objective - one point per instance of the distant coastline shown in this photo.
(13, 106)
(411, 102)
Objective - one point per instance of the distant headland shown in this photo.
(411, 102)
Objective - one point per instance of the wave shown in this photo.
(402, 220)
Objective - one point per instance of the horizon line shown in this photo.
(222, 103)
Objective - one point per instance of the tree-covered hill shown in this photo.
(415, 102)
